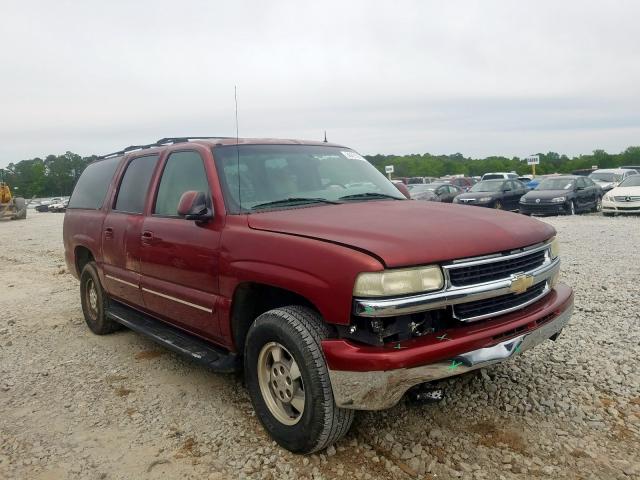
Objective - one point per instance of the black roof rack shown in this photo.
(159, 143)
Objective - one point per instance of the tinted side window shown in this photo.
(92, 185)
(184, 171)
(581, 183)
(134, 184)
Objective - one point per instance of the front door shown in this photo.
(121, 231)
(584, 195)
(179, 258)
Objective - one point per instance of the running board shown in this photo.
(173, 338)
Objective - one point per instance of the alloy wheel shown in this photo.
(281, 383)
(92, 298)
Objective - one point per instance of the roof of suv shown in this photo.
(219, 141)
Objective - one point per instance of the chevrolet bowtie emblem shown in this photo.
(520, 283)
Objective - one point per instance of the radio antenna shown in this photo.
(235, 96)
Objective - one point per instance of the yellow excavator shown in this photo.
(11, 207)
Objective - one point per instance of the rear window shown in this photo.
(134, 185)
(92, 185)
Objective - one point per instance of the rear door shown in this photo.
(121, 231)
(179, 258)
(520, 189)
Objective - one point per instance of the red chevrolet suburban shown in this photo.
(302, 265)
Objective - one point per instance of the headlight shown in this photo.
(485, 199)
(554, 250)
(523, 200)
(398, 282)
(608, 198)
(558, 199)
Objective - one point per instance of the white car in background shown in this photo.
(608, 178)
(499, 176)
(625, 198)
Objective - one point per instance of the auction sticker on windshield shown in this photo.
(353, 155)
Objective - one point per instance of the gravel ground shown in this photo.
(74, 405)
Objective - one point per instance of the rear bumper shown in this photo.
(375, 378)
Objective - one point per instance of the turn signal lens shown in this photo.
(398, 282)
(555, 248)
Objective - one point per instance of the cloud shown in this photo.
(478, 77)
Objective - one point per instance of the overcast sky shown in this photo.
(476, 77)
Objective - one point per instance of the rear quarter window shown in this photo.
(92, 185)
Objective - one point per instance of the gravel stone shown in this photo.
(565, 409)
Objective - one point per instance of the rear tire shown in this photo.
(94, 301)
(288, 381)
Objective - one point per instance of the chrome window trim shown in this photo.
(184, 302)
(452, 295)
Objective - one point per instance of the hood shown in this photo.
(404, 233)
(605, 185)
(424, 196)
(625, 191)
(479, 194)
(546, 194)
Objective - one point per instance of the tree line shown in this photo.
(427, 165)
(55, 175)
(52, 176)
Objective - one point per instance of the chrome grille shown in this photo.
(487, 272)
(628, 198)
(489, 306)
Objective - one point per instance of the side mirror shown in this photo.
(193, 206)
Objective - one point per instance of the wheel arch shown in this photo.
(82, 255)
(252, 299)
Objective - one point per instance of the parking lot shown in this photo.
(75, 405)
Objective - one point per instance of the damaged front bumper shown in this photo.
(380, 389)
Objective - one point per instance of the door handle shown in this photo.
(147, 237)
(108, 232)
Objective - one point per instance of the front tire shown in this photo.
(497, 205)
(288, 381)
(571, 208)
(94, 301)
(598, 205)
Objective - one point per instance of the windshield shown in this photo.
(488, 186)
(632, 181)
(605, 177)
(556, 184)
(280, 176)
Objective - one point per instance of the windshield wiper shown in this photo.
(367, 195)
(293, 200)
